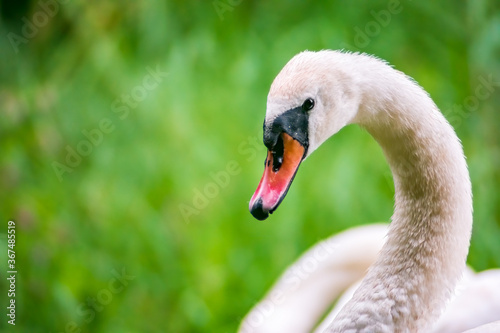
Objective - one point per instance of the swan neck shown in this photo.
(428, 240)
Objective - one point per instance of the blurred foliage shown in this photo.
(131, 203)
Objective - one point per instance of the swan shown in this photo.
(487, 328)
(331, 265)
(312, 98)
(317, 278)
(477, 303)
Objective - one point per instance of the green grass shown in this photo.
(120, 206)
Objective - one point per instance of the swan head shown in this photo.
(309, 101)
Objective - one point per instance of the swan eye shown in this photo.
(308, 104)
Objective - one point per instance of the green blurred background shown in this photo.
(173, 95)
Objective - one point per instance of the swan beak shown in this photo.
(281, 165)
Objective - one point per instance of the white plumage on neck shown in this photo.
(428, 240)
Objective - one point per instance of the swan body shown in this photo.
(330, 266)
(312, 98)
(343, 299)
(477, 303)
(487, 328)
(317, 278)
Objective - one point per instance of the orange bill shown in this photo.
(280, 167)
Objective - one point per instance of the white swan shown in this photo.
(327, 268)
(317, 278)
(477, 303)
(487, 328)
(312, 98)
